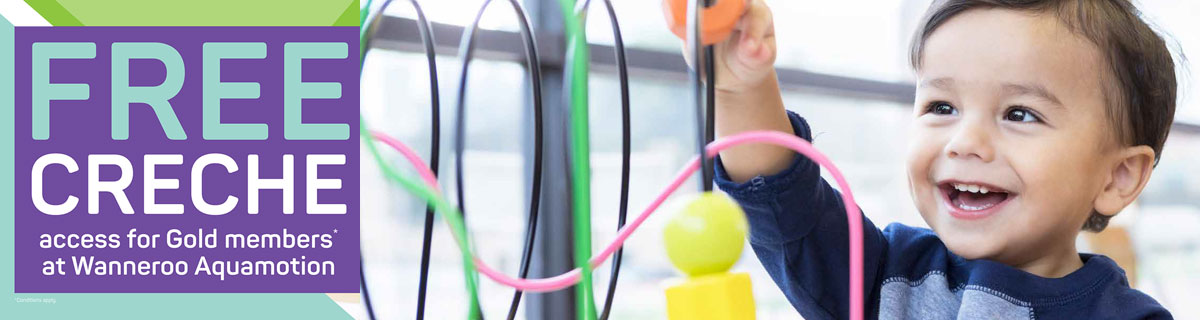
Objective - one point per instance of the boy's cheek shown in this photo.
(920, 159)
(924, 143)
(1055, 164)
(1058, 190)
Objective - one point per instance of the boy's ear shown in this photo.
(1129, 174)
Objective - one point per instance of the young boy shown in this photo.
(1033, 121)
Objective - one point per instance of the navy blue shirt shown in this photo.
(798, 230)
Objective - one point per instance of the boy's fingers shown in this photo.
(758, 22)
(766, 55)
(754, 54)
(751, 45)
(756, 44)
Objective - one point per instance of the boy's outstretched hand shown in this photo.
(747, 58)
(748, 96)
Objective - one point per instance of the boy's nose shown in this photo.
(970, 141)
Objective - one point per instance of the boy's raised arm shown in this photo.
(748, 96)
(798, 225)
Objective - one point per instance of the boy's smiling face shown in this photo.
(1013, 102)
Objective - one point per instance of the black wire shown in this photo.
(623, 78)
(362, 281)
(694, 47)
(710, 100)
(466, 50)
(435, 146)
(536, 189)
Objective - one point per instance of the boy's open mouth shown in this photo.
(972, 199)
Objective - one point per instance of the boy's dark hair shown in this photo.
(1140, 63)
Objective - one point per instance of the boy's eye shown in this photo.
(1019, 114)
(941, 108)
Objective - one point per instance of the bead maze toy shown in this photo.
(703, 241)
(711, 221)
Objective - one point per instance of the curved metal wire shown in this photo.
(466, 51)
(704, 97)
(623, 78)
(710, 103)
(435, 147)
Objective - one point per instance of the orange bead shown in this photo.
(719, 19)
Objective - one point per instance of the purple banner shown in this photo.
(219, 250)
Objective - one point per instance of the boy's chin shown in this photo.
(971, 246)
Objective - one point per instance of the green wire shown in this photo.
(449, 212)
(580, 167)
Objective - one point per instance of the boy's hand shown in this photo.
(747, 57)
(748, 96)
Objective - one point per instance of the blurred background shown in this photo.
(843, 65)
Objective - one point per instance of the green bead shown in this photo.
(707, 236)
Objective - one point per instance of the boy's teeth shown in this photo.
(971, 188)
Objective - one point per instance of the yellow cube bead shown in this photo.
(719, 296)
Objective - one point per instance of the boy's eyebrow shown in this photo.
(1032, 89)
(943, 83)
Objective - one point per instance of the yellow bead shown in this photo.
(707, 236)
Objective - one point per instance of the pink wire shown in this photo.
(772, 137)
(422, 169)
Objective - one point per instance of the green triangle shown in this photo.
(349, 17)
(54, 13)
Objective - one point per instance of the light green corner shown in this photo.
(152, 13)
(195, 12)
